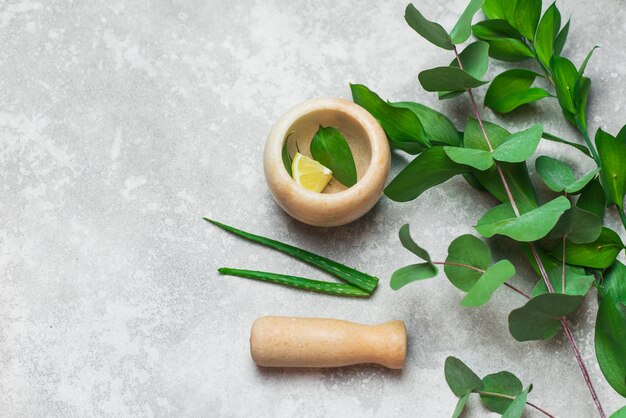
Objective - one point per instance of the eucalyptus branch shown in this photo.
(564, 322)
(503, 396)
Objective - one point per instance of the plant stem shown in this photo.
(521, 292)
(502, 395)
(581, 364)
(467, 266)
(583, 131)
(544, 274)
(563, 267)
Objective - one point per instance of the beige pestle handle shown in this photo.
(277, 341)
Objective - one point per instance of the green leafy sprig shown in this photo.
(502, 392)
(564, 238)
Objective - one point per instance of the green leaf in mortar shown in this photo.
(331, 149)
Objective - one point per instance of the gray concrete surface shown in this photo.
(122, 123)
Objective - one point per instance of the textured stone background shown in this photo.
(122, 123)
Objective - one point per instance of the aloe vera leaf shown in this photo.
(348, 274)
(340, 289)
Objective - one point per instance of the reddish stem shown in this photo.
(533, 250)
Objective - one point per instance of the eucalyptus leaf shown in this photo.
(555, 174)
(610, 342)
(409, 244)
(493, 9)
(463, 28)
(460, 406)
(466, 251)
(431, 31)
(530, 226)
(461, 379)
(577, 282)
(330, 148)
(614, 283)
(565, 78)
(612, 153)
(583, 99)
(520, 146)
(493, 278)
(508, 49)
(511, 89)
(519, 182)
(402, 126)
(475, 59)
(516, 409)
(448, 79)
(411, 273)
(473, 136)
(527, 14)
(593, 199)
(286, 157)
(578, 225)
(579, 147)
(504, 383)
(546, 33)
(479, 159)
(539, 318)
(598, 254)
(430, 168)
(561, 38)
(582, 182)
(437, 126)
(495, 29)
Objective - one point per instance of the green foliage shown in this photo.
(593, 199)
(520, 146)
(438, 128)
(578, 225)
(427, 170)
(504, 383)
(431, 31)
(402, 126)
(491, 279)
(448, 79)
(286, 156)
(466, 250)
(331, 149)
(612, 153)
(516, 409)
(546, 33)
(577, 282)
(463, 28)
(559, 177)
(600, 253)
(460, 378)
(500, 392)
(610, 336)
(476, 158)
(413, 272)
(511, 89)
(527, 14)
(565, 78)
(540, 317)
(475, 59)
(530, 226)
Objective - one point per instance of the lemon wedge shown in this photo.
(310, 174)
